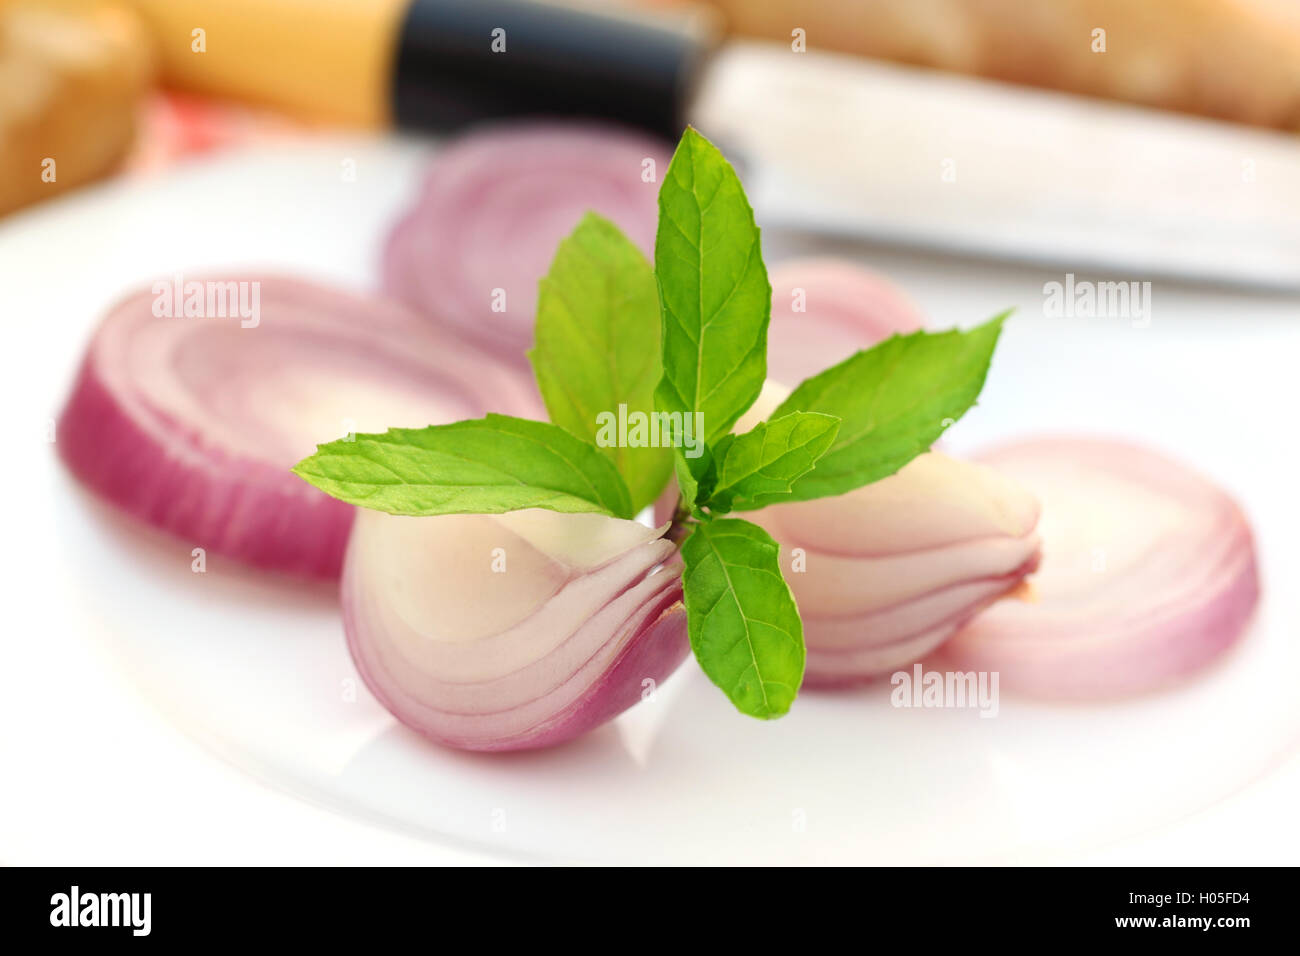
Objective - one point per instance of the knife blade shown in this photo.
(832, 143)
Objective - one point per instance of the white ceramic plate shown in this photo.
(102, 616)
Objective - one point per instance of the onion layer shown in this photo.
(888, 572)
(824, 310)
(493, 208)
(1150, 574)
(192, 424)
(515, 631)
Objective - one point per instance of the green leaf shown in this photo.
(760, 467)
(695, 476)
(894, 401)
(485, 466)
(713, 289)
(741, 617)
(598, 345)
(687, 483)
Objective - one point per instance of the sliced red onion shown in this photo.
(192, 424)
(824, 310)
(515, 631)
(1149, 575)
(492, 210)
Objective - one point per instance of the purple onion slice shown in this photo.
(192, 423)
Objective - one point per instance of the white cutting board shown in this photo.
(154, 715)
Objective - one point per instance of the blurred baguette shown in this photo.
(1231, 59)
(72, 74)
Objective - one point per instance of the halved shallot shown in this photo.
(494, 206)
(1149, 574)
(192, 422)
(885, 574)
(513, 631)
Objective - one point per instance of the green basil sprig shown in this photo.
(684, 346)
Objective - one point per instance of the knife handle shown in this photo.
(461, 61)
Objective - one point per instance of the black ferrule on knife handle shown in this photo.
(461, 61)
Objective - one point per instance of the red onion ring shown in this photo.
(192, 424)
(580, 619)
(492, 210)
(1149, 574)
